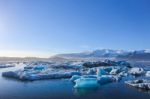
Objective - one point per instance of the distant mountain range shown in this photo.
(108, 53)
(94, 55)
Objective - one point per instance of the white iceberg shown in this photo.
(136, 71)
(148, 74)
(142, 84)
(32, 75)
(86, 83)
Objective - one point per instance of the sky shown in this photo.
(43, 28)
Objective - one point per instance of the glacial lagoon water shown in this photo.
(63, 89)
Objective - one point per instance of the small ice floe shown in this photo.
(136, 71)
(142, 84)
(86, 83)
(148, 74)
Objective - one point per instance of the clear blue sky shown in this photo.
(45, 27)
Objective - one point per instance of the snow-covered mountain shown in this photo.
(108, 53)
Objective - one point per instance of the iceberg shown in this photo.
(31, 75)
(86, 83)
(148, 74)
(136, 71)
(142, 84)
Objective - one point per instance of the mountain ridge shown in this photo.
(108, 53)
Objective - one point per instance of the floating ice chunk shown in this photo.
(32, 75)
(148, 74)
(136, 71)
(114, 71)
(74, 77)
(143, 84)
(101, 72)
(86, 83)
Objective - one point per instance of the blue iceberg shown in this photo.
(86, 83)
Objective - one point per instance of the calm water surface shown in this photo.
(63, 89)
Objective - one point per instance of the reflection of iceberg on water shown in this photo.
(83, 91)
